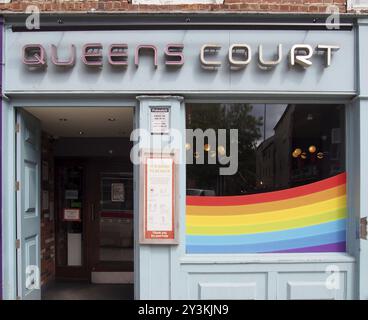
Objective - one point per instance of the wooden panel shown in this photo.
(302, 290)
(228, 285)
(312, 286)
(223, 291)
(30, 197)
(32, 272)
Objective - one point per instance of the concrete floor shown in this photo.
(87, 291)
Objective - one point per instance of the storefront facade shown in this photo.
(274, 231)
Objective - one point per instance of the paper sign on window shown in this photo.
(159, 213)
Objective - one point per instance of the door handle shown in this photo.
(92, 212)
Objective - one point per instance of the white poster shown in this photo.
(159, 194)
(160, 120)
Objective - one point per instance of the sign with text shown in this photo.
(160, 120)
(158, 223)
(71, 214)
(185, 62)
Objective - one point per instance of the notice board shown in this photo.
(158, 198)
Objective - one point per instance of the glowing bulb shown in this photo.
(196, 155)
(207, 147)
(187, 146)
(312, 149)
(221, 150)
(297, 152)
(320, 155)
(303, 155)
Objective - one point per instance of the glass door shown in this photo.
(70, 219)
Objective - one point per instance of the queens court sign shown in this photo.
(239, 55)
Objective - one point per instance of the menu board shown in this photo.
(159, 219)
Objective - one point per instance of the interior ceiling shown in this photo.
(85, 122)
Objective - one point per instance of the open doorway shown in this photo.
(86, 202)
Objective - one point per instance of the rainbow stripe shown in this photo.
(310, 218)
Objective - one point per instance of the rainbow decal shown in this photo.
(310, 218)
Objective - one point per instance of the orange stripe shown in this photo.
(311, 188)
(272, 206)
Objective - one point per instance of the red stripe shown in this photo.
(117, 214)
(268, 196)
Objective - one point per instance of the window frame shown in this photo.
(352, 5)
(291, 257)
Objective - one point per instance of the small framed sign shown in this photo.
(159, 212)
(117, 192)
(71, 194)
(160, 120)
(70, 214)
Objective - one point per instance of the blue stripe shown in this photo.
(318, 240)
(296, 233)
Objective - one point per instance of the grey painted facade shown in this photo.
(167, 272)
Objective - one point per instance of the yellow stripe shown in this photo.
(269, 217)
(268, 226)
(269, 206)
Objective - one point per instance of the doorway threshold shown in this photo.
(72, 290)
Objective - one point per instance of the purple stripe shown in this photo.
(331, 247)
(1, 112)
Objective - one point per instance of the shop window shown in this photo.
(357, 4)
(287, 192)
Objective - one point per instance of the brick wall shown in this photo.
(47, 218)
(309, 6)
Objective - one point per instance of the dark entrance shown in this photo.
(87, 203)
(100, 191)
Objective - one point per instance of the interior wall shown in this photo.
(47, 217)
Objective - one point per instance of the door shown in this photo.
(110, 200)
(28, 157)
(71, 219)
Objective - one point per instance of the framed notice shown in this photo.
(160, 120)
(117, 192)
(158, 214)
(71, 215)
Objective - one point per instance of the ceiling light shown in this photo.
(312, 149)
(112, 119)
(221, 150)
(63, 119)
(81, 133)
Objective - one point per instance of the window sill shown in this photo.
(283, 258)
